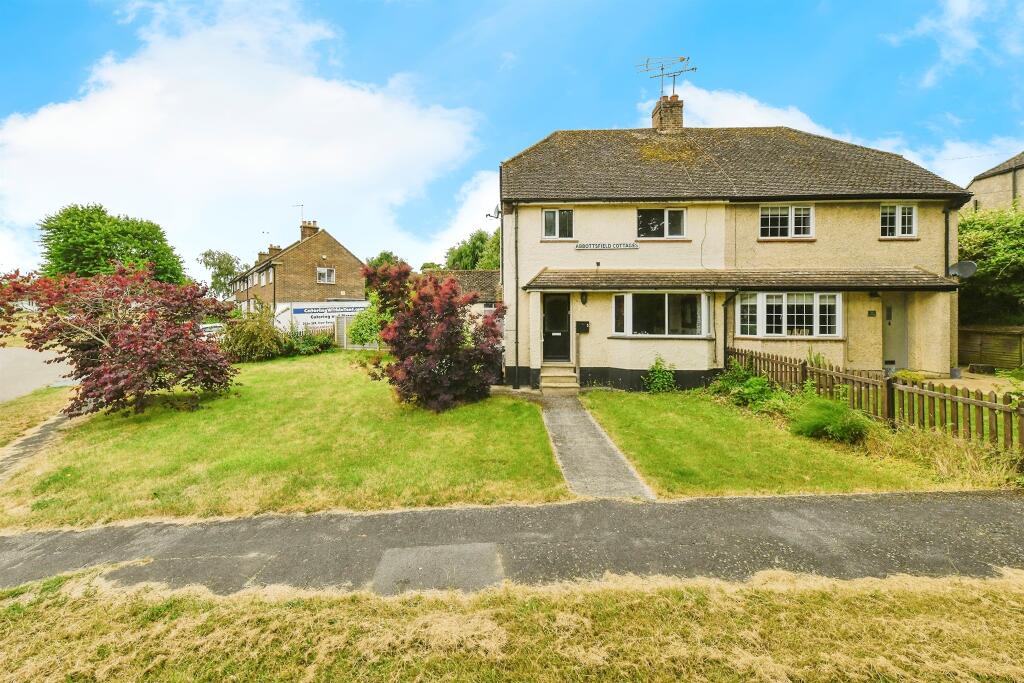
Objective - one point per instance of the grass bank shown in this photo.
(297, 434)
(687, 444)
(25, 412)
(777, 627)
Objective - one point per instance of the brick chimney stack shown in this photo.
(308, 229)
(263, 256)
(274, 250)
(667, 116)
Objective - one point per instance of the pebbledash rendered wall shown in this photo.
(996, 192)
(723, 236)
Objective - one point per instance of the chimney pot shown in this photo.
(667, 116)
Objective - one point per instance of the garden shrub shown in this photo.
(729, 379)
(444, 355)
(660, 377)
(823, 418)
(752, 392)
(252, 336)
(365, 327)
(125, 335)
(307, 343)
(909, 376)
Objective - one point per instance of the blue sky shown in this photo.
(388, 119)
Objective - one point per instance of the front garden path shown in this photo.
(592, 465)
(841, 536)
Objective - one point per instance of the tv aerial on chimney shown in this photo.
(302, 211)
(662, 67)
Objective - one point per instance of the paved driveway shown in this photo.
(23, 371)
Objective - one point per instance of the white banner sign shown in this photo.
(322, 313)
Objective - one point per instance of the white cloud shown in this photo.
(216, 126)
(956, 160)
(477, 198)
(963, 29)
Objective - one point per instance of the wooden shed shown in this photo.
(1001, 346)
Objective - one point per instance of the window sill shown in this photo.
(326, 283)
(558, 239)
(907, 238)
(663, 239)
(787, 239)
(784, 338)
(698, 337)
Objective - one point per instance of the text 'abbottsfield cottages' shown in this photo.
(620, 245)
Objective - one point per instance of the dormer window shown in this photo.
(787, 222)
(660, 223)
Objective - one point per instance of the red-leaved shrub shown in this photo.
(444, 354)
(125, 334)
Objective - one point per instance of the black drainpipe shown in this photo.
(515, 251)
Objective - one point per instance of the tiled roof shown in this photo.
(829, 280)
(1008, 165)
(712, 163)
(486, 282)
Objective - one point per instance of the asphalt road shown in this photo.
(931, 534)
(23, 371)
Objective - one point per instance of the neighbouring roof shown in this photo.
(265, 263)
(760, 280)
(750, 164)
(486, 282)
(1005, 167)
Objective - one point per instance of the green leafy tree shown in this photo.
(223, 268)
(466, 254)
(430, 265)
(87, 240)
(365, 327)
(995, 240)
(490, 259)
(384, 258)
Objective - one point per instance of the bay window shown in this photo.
(662, 314)
(788, 314)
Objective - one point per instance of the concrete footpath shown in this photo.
(930, 534)
(591, 464)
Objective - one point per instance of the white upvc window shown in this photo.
(325, 276)
(660, 314)
(557, 224)
(270, 276)
(263, 278)
(789, 314)
(780, 221)
(660, 223)
(898, 220)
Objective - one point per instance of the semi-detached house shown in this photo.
(622, 245)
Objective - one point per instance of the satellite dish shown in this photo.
(963, 269)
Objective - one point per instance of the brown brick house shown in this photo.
(486, 283)
(311, 281)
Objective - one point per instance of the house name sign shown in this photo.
(607, 245)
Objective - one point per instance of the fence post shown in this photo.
(803, 373)
(890, 401)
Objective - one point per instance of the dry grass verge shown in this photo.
(21, 414)
(776, 627)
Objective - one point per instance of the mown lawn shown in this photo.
(25, 412)
(298, 434)
(775, 628)
(686, 444)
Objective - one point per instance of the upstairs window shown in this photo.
(786, 222)
(655, 223)
(325, 276)
(558, 224)
(898, 220)
(263, 278)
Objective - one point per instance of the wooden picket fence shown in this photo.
(952, 409)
